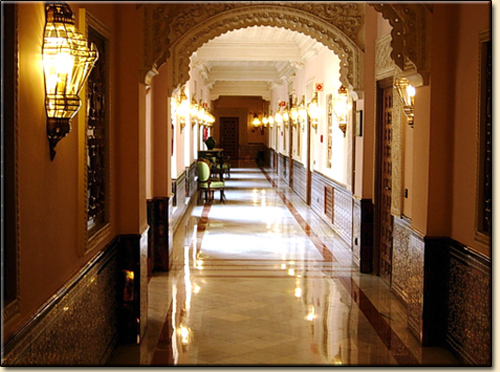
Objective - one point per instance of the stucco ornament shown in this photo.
(177, 31)
(409, 36)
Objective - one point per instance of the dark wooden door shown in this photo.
(385, 219)
(229, 127)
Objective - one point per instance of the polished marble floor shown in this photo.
(262, 281)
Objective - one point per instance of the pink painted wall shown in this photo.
(161, 137)
(364, 151)
(49, 197)
(130, 128)
(471, 19)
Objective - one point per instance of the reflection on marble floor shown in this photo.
(258, 281)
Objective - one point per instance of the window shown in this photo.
(96, 137)
(94, 120)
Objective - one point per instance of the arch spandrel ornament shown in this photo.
(177, 31)
(409, 36)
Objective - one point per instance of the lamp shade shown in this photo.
(406, 92)
(313, 108)
(341, 107)
(67, 62)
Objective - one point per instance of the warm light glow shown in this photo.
(410, 90)
(279, 119)
(291, 272)
(194, 109)
(294, 112)
(286, 117)
(311, 315)
(67, 62)
(341, 108)
(302, 111)
(173, 104)
(129, 274)
(184, 332)
(256, 120)
(298, 292)
(407, 94)
(183, 109)
(313, 110)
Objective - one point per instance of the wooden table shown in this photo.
(210, 153)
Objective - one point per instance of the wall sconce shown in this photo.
(294, 114)
(209, 119)
(278, 118)
(313, 111)
(183, 109)
(341, 108)
(67, 62)
(271, 121)
(204, 116)
(256, 121)
(286, 116)
(257, 124)
(406, 92)
(302, 113)
(194, 111)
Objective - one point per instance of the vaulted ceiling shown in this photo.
(252, 60)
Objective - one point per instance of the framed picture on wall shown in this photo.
(359, 123)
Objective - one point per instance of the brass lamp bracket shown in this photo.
(57, 129)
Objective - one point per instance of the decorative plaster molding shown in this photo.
(244, 88)
(177, 31)
(384, 64)
(409, 35)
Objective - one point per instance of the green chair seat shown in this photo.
(207, 183)
(214, 183)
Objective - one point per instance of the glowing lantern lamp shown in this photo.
(341, 108)
(67, 62)
(313, 110)
(407, 94)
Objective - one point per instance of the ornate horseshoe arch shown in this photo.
(321, 22)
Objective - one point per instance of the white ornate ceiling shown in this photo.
(250, 61)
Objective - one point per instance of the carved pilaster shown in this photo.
(398, 121)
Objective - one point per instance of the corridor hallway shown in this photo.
(262, 280)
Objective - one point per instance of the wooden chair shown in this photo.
(208, 184)
(223, 163)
